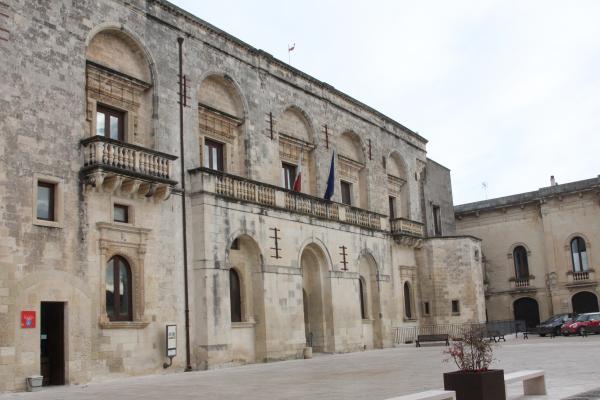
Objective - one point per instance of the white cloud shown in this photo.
(507, 92)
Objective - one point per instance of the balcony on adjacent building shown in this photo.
(112, 164)
(581, 278)
(521, 284)
(242, 189)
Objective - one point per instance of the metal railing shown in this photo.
(409, 334)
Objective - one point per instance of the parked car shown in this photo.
(589, 322)
(553, 324)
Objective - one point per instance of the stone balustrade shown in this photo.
(581, 278)
(403, 226)
(239, 188)
(99, 150)
(521, 283)
(111, 164)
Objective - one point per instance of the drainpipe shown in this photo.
(188, 366)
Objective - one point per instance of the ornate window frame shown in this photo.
(128, 242)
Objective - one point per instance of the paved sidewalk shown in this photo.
(572, 366)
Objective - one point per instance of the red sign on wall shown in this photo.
(27, 319)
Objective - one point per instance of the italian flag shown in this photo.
(297, 187)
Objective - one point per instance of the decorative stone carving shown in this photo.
(349, 169)
(113, 88)
(128, 242)
(395, 185)
(291, 147)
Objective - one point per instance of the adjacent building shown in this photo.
(94, 196)
(540, 250)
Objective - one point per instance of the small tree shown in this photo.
(472, 353)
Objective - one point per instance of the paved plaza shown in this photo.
(572, 366)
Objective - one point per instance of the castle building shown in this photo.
(540, 250)
(97, 209)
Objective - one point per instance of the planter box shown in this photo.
(488, 385)
(34, 383)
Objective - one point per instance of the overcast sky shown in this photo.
(506, 92)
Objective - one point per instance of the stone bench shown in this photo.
(429, 395)
(534, 381)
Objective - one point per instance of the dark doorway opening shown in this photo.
(584, 302)
(526, 309)
(52, 342)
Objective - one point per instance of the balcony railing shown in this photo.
(243, 189)
(120, 157)
(523, 282)
(228, 185)
(403, 226)
(581, 276)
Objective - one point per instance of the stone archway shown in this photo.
(371, 324)
(245, 258)
(584, 302)
(527, 309)
(316, 289)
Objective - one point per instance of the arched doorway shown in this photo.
(584, 302)
(527, 309)
(318, 325)
(246, 297)
(370, 304)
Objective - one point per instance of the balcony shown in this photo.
(581, 278)
(522, 284)
(403, 226)
(407, 232)
(111, 165)
(238, 188)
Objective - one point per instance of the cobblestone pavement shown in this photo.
(572, 366)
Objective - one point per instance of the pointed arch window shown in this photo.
(363, 297)
(407, 302)
(521, 262)
(579, 255)
(235, 296)
(118, 290)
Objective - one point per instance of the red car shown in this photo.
(588, 323)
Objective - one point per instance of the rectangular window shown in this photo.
(121, 213)
(392, 201)
(46, 193)
(288, 174)
(213, 155)
(455, 307)
(426, 308)
(346, 192)
(437, 221)
(110, 123)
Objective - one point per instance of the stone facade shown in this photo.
(559, 276)
(70, 69)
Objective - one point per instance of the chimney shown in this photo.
(552, 181)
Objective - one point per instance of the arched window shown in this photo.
(407, 305)
(579, 255)
(118, 290)
(235, 296)
(362, 294)
(521, 264)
